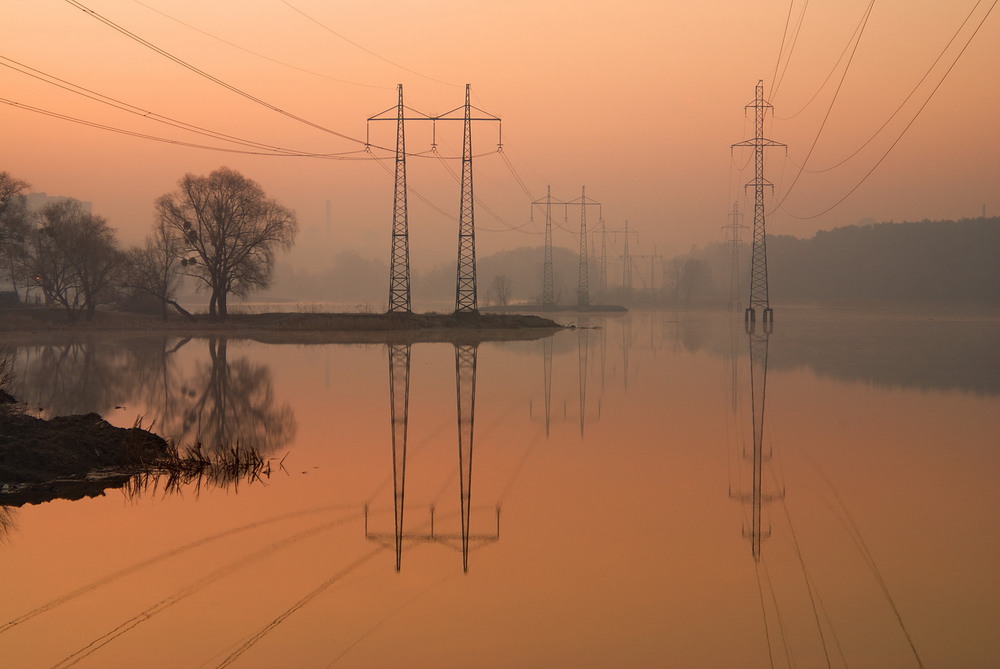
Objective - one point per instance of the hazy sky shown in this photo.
(639, 101)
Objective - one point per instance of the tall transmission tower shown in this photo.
(399, 266)
(399, 271)
(548, 281)
(733, 233)
(466, 294)
(758, 261)
(626, 265)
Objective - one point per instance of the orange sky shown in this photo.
(640, 101)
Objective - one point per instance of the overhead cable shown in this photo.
(365, 49)
(901, 134)
(255, 53)
(822, 125)
(183, 63)
(910, 95)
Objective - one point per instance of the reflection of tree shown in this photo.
(74, 378)
(7, 522)
(221, 403)
(226, 403)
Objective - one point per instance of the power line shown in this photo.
(165, 140)
(910, 95)
(781, 49)
(830, 108)
(139, 111)
(901, 134)
(795, 39)
(255, 53)
(366, 50)
(183, 63)
(832, 70)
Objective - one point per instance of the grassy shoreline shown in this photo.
(34, 323)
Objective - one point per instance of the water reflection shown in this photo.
(219, 404)
(466, 358)
(752, 493)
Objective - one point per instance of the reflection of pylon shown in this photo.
(399, 400)
(756, 532)
(465, 382)
(758, 261)
(583, 349)
(547, 364)
(451, 539)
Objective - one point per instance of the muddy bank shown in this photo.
(69, 456)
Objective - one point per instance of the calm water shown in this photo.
(618, 510)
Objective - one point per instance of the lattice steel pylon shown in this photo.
(466, 294)
(758, 261)
(626, 266)
(733, 234)
(583, 291)
(399, 271)
(548, 281)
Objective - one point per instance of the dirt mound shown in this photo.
(69, 448)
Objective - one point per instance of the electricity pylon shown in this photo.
(548, 282)
(583, 288)
(399, 271)
(399, 266)
(758, 262)
(466, 294)
(733, 233)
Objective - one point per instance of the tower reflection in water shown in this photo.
(466, 356)
(751, 488)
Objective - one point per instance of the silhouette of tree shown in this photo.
(153, 269)
(15, 225)
(74, 257)
(230, 231)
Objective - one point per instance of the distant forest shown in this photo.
(954, 261)
(924, 260)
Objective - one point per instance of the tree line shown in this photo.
(220, 230)
(952, 261)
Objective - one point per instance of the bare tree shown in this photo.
(74, 257)
(14, 227)
(232, 231)
(501, 289)
(153, 269)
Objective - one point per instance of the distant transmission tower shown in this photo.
(548, 281)
(627, 266)
(758, 261)
(583, 289)
(733, 233)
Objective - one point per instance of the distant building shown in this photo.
(38, 201)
